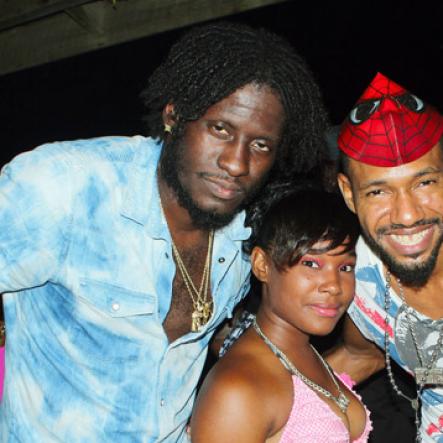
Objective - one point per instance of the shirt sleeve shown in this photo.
(34, 217)
(362, 320)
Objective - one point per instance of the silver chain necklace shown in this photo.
(424, 374)
(341, 401)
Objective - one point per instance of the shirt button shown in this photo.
(221, 260)
(162, 402)
(166, 255)
(115, 306)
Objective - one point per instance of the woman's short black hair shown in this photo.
(291, 218)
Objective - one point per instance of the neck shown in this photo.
(285, 336)
(426, 299)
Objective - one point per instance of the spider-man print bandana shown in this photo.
(389, 126)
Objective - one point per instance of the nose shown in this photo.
(234, 158)
(331, 282)
(406, 210)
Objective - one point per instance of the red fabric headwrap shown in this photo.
(389, 126)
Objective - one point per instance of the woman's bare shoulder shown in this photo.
(245, 386)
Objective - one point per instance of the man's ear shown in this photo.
(346, 190)
(259, 264)
(169, 116)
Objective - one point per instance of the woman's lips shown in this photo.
(329, 311)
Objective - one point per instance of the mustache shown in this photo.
(225, 177)
(397, 226)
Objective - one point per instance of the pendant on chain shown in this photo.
(201, 315)
(196, 321)
(415, 404)
(343, 402)
(426, 376)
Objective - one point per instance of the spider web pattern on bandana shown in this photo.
(398, 129)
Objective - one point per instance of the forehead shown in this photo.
(362, 174)
(324, 248)
(251, 103)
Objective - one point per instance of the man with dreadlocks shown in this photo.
(120, 256)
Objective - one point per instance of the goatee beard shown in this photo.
(171, 161)
(416, 275)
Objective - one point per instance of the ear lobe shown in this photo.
(259, 264)
(169, 116)
(346, 190)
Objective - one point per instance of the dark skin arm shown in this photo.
(355, 355)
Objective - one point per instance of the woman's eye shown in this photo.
(347, 268)
(310, 263)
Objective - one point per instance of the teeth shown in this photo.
(408, 240)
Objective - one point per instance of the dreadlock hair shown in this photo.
(211, 62)
(291, 217)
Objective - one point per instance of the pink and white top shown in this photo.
(312, 420)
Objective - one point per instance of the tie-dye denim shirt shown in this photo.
(87, 270)
(368, 313)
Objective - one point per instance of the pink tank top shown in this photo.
(312, 420)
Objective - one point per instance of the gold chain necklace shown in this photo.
(200, 301)
(202, 305)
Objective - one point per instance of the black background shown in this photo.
(345, 45)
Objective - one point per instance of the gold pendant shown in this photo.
(201, 315)
(196, 320)
(206, 311)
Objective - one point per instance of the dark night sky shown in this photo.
(97, 93)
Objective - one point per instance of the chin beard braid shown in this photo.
(171, 161)
(414, 276)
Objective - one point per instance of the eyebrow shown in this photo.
(321, 251)
(228, 123)
(419, 174)
(427, 171)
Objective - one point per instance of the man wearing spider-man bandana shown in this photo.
(392, 178)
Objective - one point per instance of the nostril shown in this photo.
(234, 161)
